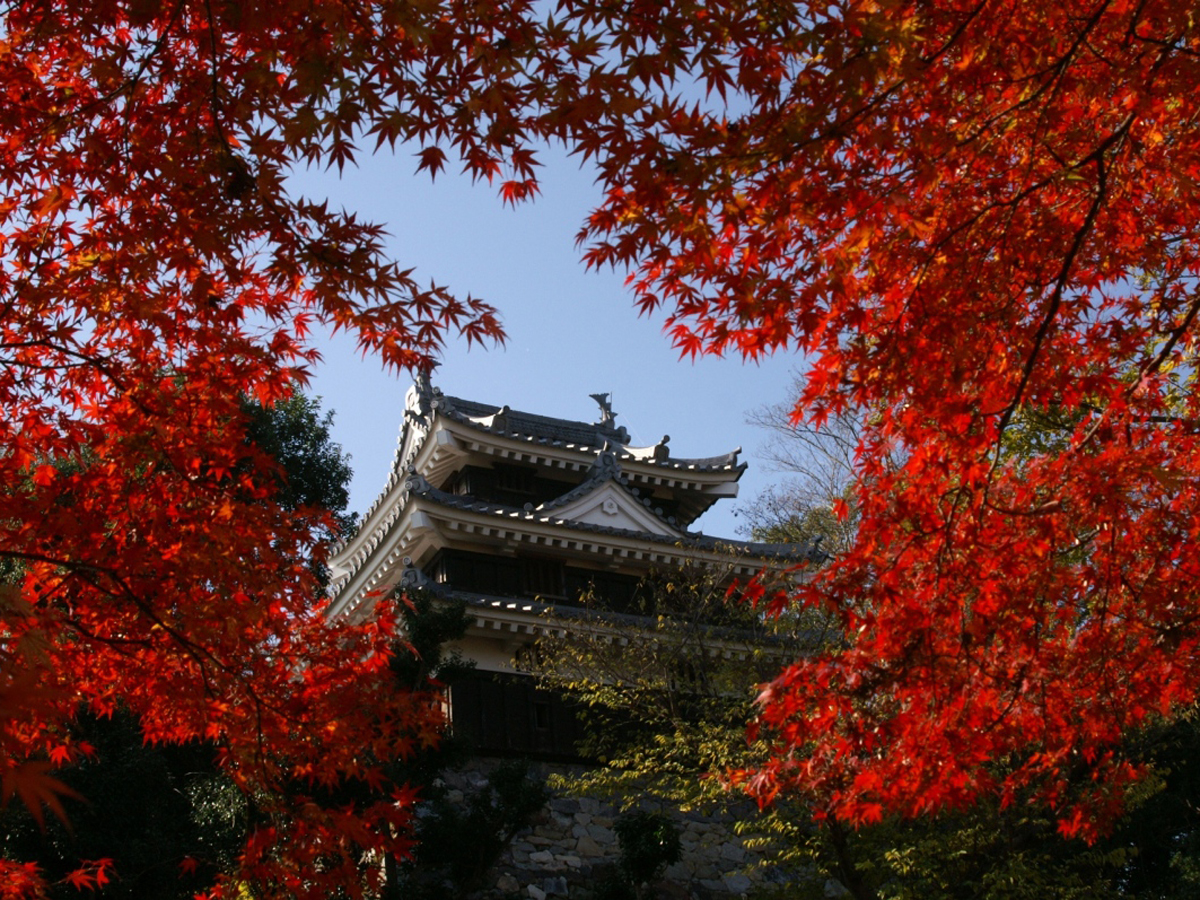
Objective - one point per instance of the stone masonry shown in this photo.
(571, 845)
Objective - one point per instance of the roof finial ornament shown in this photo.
(606, 464)
(608, 418)
(425, 388)
(661, 451)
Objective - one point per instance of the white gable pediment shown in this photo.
(611, 506)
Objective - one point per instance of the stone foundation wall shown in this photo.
(571, 846)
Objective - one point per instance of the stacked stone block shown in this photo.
(571, 846)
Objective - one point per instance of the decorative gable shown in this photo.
(611, 505)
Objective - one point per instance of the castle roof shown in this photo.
(568, 434)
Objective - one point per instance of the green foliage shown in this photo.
(313, 469)
(1160, 833)
(991, 855)
(664, 697)
(612, 886)
(780, 519)
(459, 834)
(1033, 433)
(665, 700)
(980, 854)
(430, 625)
(649, 842)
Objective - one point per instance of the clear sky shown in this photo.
(571, 332)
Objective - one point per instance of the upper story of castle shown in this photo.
(472, 478)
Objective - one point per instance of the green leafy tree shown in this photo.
(649, 843)
(461, 836)
(313, 470)
(664, 697)
(1159, 834)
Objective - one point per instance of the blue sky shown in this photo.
(571, 332)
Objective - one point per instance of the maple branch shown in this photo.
(1058, 68)
(1131, 34)
(954, 36)
(132, 81)
(216, 83)
(1015, 690)
(90, 574)
(197, 652)
(201, 655)
(1010, 203)
(1050, 506)
(1061, 280)
(116, 643)
(1131, 31)
(1176, 334)
(99, 363)
(1168, 44)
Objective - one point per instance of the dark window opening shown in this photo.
(509, 715)
(543, 578)
(462, 571)
(514, 479)
(506, 484)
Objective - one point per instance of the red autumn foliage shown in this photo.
(976, 218)
(979, 221)
(153, 271)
